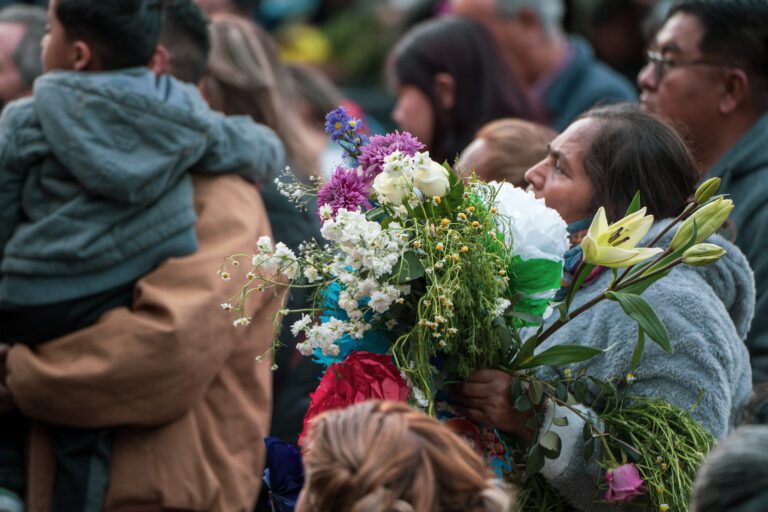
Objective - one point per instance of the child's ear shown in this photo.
(83, 57)
(160, 63)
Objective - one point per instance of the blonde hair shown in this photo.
(246, 77)
(386, 457)
(512, 147)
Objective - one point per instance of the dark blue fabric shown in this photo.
(744, 171)
(583, 83)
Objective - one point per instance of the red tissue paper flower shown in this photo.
(624, 484)
(361, 376)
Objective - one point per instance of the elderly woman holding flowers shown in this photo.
(604, 158)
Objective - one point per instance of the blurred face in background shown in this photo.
(561, 178)
(216, 6)
(11, 86)
(414, 113)
(480, 10)
(679, 82)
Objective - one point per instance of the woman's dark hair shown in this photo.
(635, 151)
(122, 33)
(734, 478)
(484, 89)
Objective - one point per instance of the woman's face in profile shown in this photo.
(561, 178)
(414, 113)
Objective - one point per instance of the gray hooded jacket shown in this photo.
(707, 312)
(94, 183)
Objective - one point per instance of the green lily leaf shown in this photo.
(641, 312)
(560, 355)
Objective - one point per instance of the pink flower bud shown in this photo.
(624, 484)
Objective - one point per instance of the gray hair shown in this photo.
(735, 476)
(550, 12)
(27, 55)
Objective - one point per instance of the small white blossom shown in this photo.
(301, 324)
(241, 321)
(264, 244)
(227, 306)
(500, 306)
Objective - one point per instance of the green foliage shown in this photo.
(641, 312)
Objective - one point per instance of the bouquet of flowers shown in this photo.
(426, 275)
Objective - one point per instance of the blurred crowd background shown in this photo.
(348, 40)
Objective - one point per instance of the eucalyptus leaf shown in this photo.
(641, 312)
(551, 444)
(535, 460)
(523, 403)
(580, 391)
(561, 392)
(560, 422)
(516, 388)
(589, 449)
(536, 391)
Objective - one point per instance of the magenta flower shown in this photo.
(372, 156)
(624, 484)
(346, 189)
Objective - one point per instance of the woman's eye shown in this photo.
(558, 169)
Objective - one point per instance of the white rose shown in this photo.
(395, 188)
(432, 179)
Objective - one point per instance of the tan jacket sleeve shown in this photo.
(149, 365)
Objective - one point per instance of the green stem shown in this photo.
(648, 276)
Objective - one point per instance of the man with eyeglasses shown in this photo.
(707, 72)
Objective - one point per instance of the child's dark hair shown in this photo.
(121, 33)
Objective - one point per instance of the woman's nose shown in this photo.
(535, 176)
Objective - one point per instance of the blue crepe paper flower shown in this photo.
(373, 340)
(284, 474)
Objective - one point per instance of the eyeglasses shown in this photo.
(662, 63)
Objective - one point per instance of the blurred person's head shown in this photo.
(450, 81)
(315, 94)
(504, 150)
(185, 40)
(734, 478)
(239, 7)
(708, 72)
(22, 29)
(101, 35)
(247, 77)
(385, 456)
(529, 32)
(609, 154)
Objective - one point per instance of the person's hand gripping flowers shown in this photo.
(485, 398)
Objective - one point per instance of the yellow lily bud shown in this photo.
(702, 254)
(706, 190)
(708, 220)
(615, 245)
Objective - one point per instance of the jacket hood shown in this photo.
(747, 156)
(730, 277)
(122, 134)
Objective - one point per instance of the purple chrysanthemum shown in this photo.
(346, 189)
(380, 146)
